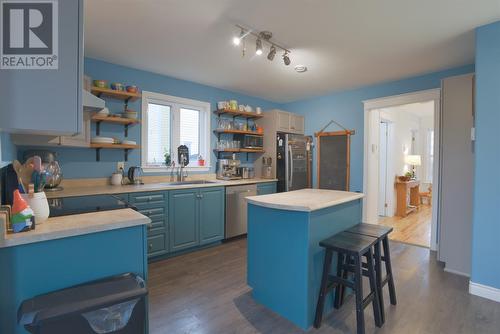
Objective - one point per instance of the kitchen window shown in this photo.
(169, 122)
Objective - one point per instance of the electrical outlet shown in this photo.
(120, 165)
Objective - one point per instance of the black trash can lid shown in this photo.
(81, 298)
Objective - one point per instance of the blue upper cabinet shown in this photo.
(211, 215)
(47, 101)
(266, 188)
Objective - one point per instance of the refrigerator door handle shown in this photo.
(290, 168)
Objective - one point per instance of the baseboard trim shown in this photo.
(484, 291)
(456, 272)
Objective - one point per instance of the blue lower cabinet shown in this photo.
(183, 214)
(266, 188)
(212, 212)
(157, 245)
(155, 206)
(196, 217)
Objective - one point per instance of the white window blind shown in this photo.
(159, 120)
(190, 132)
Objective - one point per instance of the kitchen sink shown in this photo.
(180, 183)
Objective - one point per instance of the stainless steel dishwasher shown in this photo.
(236, 209)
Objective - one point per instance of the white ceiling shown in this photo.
(344, 43)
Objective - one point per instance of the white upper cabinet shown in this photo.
(48, 101)
(284, 121)
(296, 124)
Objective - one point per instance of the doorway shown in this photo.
(400, 141)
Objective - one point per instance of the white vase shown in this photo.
(40, 206)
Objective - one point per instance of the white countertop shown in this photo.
(154, 186)
(74, 225)
(305, 199)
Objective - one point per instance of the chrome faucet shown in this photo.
(172, 170)
(181, 173)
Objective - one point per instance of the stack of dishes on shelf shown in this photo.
(103, 140)
(129, 142)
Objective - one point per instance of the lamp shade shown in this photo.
(414, 160)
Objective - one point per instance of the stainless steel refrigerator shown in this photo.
(293, 161)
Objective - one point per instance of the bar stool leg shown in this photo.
(388, 268)
(378, 272)
(324, 285)
(358, 283)
(374, 289)
(339, 289)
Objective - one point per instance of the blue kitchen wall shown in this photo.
(486, 216)
(346, 107)
(81, 163)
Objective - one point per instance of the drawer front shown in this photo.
(157, 245)
(148, 199)
(155, 214)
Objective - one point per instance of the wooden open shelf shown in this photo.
(242, 132)
(115, 94)
(114, 119)
(243, 114)
(239, 150)
(123, 147)
(114, 146)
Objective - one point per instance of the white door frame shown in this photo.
(371, 152)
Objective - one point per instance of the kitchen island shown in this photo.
(285, 260)
(66, 251)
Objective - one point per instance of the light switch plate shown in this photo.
(120, 165)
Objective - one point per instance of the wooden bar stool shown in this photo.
(381, 233)
(355, 247)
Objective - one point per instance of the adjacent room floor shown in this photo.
(206, 292)
(413, 229)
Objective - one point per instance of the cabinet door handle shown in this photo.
(150, 213)
(150, 198)
(150, 246)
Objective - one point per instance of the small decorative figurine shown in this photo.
(22, 214)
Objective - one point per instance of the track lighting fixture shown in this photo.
(263, 37)
(286, 59)
(272, 53)
(258, 47)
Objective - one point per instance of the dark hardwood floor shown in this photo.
(206, 292)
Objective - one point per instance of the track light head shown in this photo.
(237, 40)
(258, 47)
(271, 53)
(286, 59)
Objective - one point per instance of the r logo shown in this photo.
(29, 28)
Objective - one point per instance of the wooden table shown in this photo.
(408, 199)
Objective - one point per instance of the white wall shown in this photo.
(403, 119)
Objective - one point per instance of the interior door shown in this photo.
(382, 180)
(456, 173)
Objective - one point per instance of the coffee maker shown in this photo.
(228, 169)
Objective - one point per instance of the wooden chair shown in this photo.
(427, 195)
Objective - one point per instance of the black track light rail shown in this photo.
(258, 35)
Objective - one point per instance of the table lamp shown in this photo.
(413, 160)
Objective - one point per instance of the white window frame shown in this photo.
(175, 103)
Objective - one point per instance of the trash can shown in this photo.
(115, 304)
